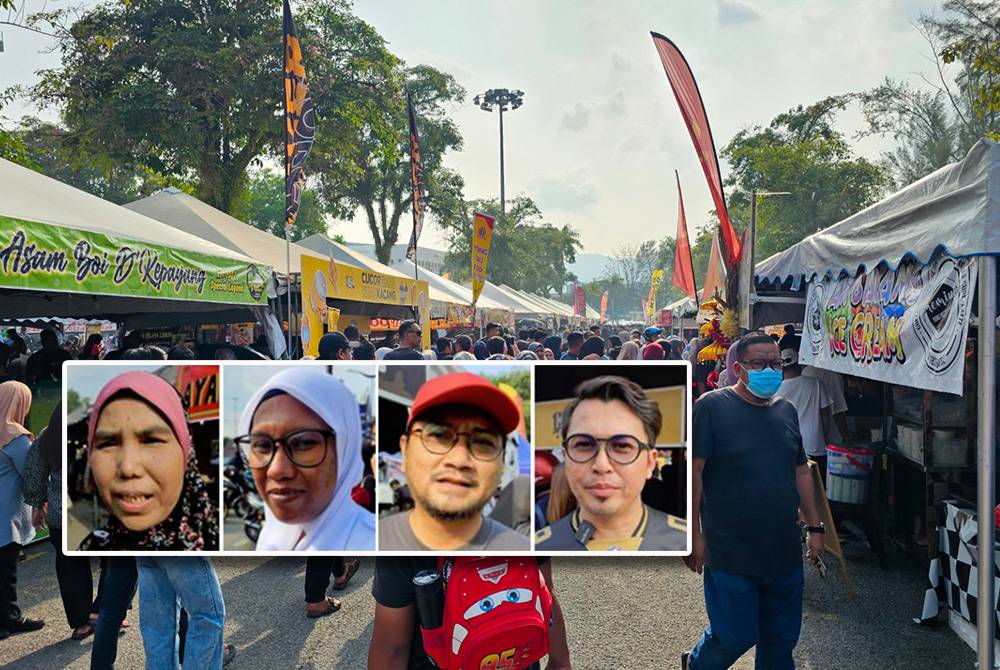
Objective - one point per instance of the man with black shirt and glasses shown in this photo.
(409, 343)
(749, 481)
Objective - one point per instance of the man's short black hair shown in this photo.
(574, 338)
(364, 352)
(492, 325)
(522, 334)
(443, 344)
(145, 354)
(613, 387)
(332, 344)
(790, 328)
(464, 343)
(180, 352)
(352, 333)
(592, 345)
(49, 334)
(595, 329)
(405, 326)
(496, 345)
(748, 341)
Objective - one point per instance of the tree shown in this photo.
(376, 176)
(11, 146)
(515, 257)
(262, 205)
(193, 90)
(73, 401)
(937, 123)
(801, 152)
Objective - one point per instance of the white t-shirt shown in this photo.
(833, 382)
(809, 397)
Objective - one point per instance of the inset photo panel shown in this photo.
(612, 465)
(142, 458)
(454, 458)
(298, 456)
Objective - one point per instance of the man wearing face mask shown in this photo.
(749, 481)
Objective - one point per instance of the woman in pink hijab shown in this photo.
(15, 517)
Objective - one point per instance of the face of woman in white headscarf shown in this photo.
(294, 494)
(137, 463)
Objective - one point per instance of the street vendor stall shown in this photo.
(889, 296)
(64, 252)
(457, 311)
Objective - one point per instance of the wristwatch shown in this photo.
(821, 529)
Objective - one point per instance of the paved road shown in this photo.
(623, 613)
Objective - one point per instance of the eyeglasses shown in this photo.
(414, 331)
(758, 364)
(437, 438)
(304, 448)
(621, 449)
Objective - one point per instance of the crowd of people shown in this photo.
(750, 556)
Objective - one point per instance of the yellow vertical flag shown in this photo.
(482, 236)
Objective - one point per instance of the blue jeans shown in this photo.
(747, 611)
(166, 585)
(118, 581)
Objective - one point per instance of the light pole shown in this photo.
(500, 99)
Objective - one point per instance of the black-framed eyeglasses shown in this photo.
(440, 438)
(305, 448)
(621, 449)
(758, 364)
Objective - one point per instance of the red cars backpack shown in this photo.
(496, 614)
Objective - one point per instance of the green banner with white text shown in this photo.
(43, 257)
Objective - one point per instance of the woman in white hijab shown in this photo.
(301, 437)
(629, 352)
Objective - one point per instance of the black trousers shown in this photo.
(10, 613)
(318, 571)
(76, 583)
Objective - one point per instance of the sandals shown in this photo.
(332, 605)
(350, 567)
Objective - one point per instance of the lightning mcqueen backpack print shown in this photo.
(497, 613)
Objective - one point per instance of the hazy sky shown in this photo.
(599, 135)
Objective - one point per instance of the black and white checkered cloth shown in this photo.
(954, 573)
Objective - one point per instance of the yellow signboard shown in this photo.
(548, 418)
(325, 279)
(482, 236)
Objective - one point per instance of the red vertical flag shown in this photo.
(683, 265)
(579, 302)
(604, 306)
(693, 110)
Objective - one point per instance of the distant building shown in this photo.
(429, 259)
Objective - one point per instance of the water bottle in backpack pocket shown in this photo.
(481, 613)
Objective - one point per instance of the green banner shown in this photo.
(42, 257)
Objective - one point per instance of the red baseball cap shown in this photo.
(465, 388)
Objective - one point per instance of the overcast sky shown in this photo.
(599, 135)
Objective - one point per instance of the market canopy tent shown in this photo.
(461, 297)
(955, 209)
(65, 252)
(185, 212)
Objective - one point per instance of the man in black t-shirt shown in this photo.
(409, 343)
(749, 481)
(46, 363)
(396, 641)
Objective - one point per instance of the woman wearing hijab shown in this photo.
(93, 348)
(629, 351)
(142, 460)
(652, 352)
(43, 484)
(15, 517)
(144, 467)
(301, 436)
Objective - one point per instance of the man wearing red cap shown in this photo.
(452, 454)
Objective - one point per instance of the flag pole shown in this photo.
(288, 286)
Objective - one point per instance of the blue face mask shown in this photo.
(764, 383)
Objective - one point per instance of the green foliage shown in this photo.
(11, 146)
(73, 401)
(373, 174)
(262, 205)
(801, 152)
(526, 252)
(193, 91)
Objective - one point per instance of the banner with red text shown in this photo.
(906, 326)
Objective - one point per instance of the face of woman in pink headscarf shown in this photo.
(137, 463)
(549, 355)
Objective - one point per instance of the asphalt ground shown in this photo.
(621, 612)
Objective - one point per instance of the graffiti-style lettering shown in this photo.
(87, 263)
(22, 257)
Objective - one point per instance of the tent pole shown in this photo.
(986, 608)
